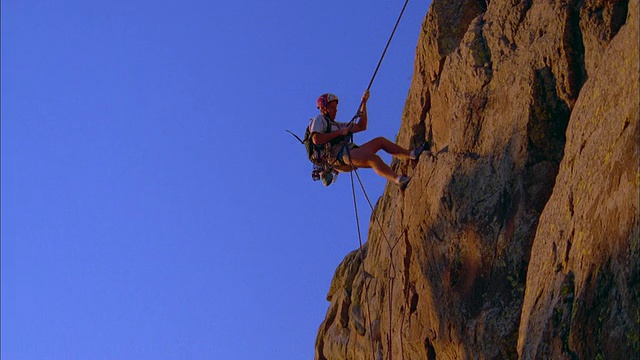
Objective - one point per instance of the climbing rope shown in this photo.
(355, 205)
(388, 43)
(367, 319)
(391, 263)
(384, 52)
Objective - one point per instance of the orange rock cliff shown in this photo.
(519, 239)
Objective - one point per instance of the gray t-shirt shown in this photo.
(319, 125)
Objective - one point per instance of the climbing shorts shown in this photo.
(340, 155)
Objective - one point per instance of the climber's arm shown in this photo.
(361, 125)
(323, 138)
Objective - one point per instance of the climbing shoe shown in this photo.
(403, 181)
(415, 153)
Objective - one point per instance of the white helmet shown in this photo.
(325, 99)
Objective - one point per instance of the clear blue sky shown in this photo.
(153, 206)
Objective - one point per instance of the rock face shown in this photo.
(519, 239)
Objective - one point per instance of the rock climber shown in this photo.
(344, 154)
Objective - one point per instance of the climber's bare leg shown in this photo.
(363, 157)
(381, 143)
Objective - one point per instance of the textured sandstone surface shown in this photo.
(520, 238)
(582, 284)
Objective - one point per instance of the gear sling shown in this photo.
(325, 164)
